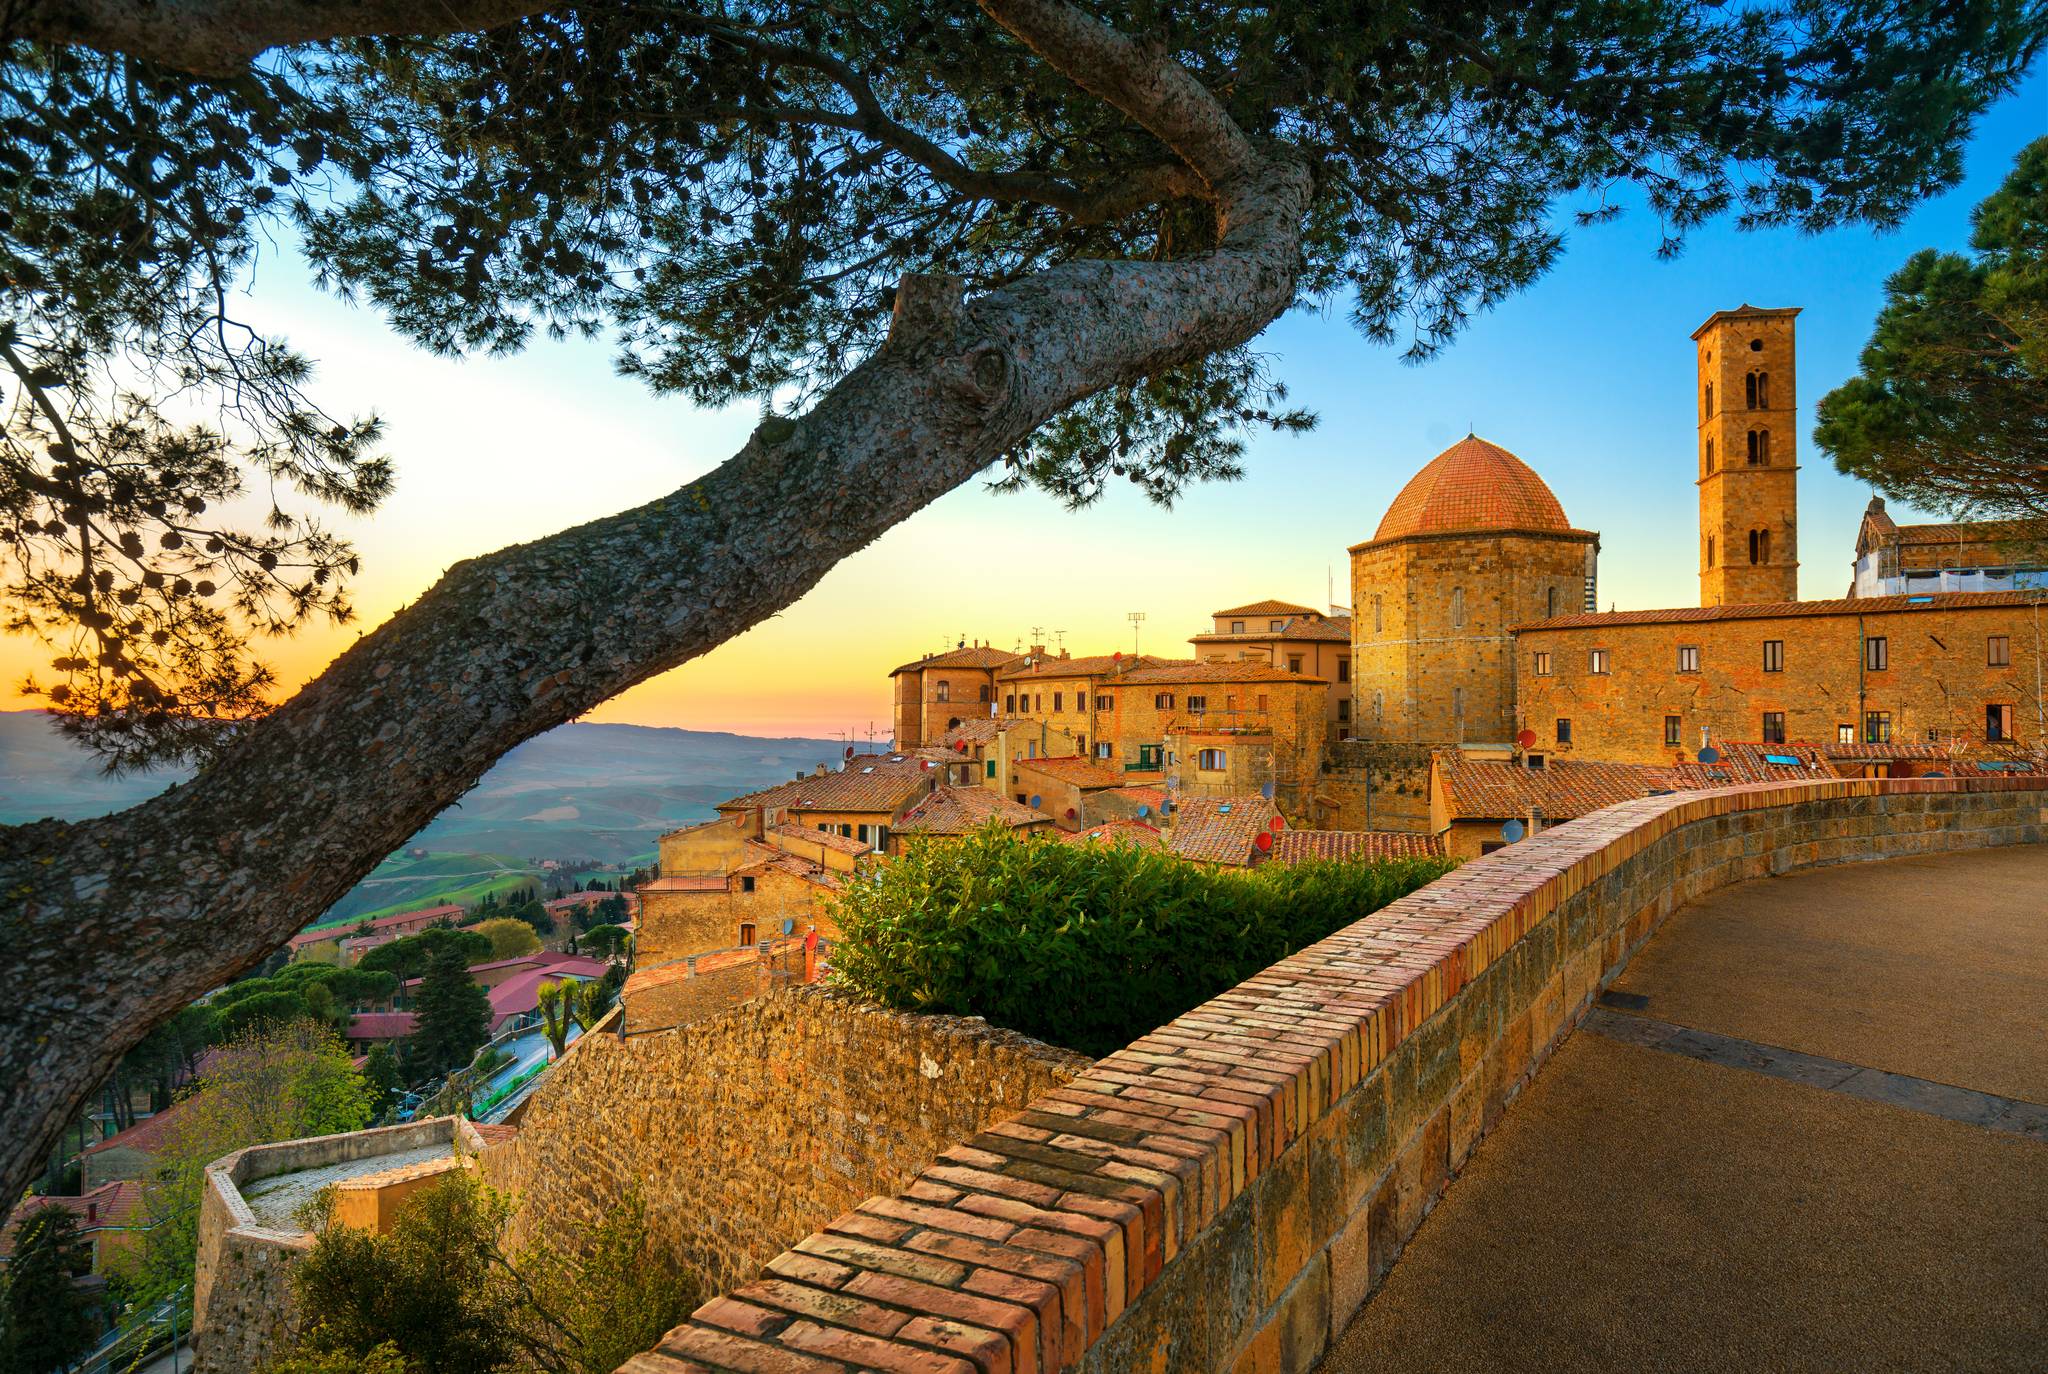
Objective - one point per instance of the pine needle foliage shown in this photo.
(1088, 946)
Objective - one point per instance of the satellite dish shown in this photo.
(1165, 807)
(1117, 657)
(1937, 773)
(1070, 813)
(1277, 824)
(1710, 754)
(788, 925)
(849, 751)
(1266, 791)
(1144, 811)
(1035, 800)
(1263, 841)
(1527, 739)
(1512, 831)
(961, 746)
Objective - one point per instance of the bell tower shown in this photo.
(1748, 469)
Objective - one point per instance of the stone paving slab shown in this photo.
(275, 1201)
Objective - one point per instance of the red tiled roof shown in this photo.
(1100, 665)
(381, 1025)
(1267, 608)
(1293, 846)
(519, 995)
(1219, 670)
(404, 920)
(1742, 761)
(828, 839)
(979, 656)
(873, 783)
(1492, 789)
(575, 899)
(1773, 610)
(766, 856)
(1473, 485)
(1975, 532)
(1074, 769)
(958, 810)
(146, 1135)
(1134, 833)
(977, 730)
(1154, 797)
(1220, 829)
(111, 1205)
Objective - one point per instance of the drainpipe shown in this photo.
(1862, 662)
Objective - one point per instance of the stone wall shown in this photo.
(1224, 1193)
(747, 1130)
(1372, 786)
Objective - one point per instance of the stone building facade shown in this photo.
(939, 691)
(1473, 545)
(1962, 671)
(1295, 638)
(1749, 534)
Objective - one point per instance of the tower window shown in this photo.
(1458, 704)
(1707, 404)
(1457, 608)
(1774, 727)
(1549, 602)
(1376, 625)
(1756, 345)
(1759, 546)
(1710, 550)
(1379, 705)
(1710, 455)
(1759, 448)
(1756, 390)
(1774, 655)
(1672, 725)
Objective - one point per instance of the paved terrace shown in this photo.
(1807, 1128)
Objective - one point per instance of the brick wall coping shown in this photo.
(254, 1163)
(1013, 1251)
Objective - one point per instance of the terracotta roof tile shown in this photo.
(1099, 665)
(1072, 768)
(1134, 833)
(146, 1135)
(1491, 789)
(875, 782)
(844, 844)
(1222, 670)
(1473, 485)
(1332, 629)
(1773, 610)
(1293, 846)
(1742, 761)
(1267, 608)
(1220, 829)
(978, 656)
(1154, 797)
(958, 810)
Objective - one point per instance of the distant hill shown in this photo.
(601, 792)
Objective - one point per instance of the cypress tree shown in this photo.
(454, 1015)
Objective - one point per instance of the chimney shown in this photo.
(1037, 651)
(821, 771)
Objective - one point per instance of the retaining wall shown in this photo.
(1224, 1193)
(747, 1129)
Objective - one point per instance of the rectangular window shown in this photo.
(1237, 627)
(746, 933)
(846, 830)
(1998, 722)
(1275, 626)
(1010, 704)
(1163, 702)
(1102, 749)
(1343, 708)
(991, 766)
(1774, 655)
(1845, 734)
(1148, 755)
(1774, 727)
(1564, 731)
(1230, 702)
(1688, 658)
(1059, 701)
(1672, 726)
(1102, 703)
(1542, 664)
(1343, 670)
(1197, 705)
(1876, 653)
(1877, 727)
(1080, 744)
(1596, 661)
(1997, 651)
(1534, 760)
(746, 884)
(1210, 760)
(1294, 663)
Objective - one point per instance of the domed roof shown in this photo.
(1472, 485)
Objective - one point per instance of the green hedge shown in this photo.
(1087, 946)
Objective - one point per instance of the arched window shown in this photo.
(945, 690)
(987, 692)
(1710, 455)
(1377, 625)
(1707, 405)
(1763, 390)
(1457, 608)
(1759, 546)
(1749, 391)
(1759, 448)
(1710, 550)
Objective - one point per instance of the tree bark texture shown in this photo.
(114, 924)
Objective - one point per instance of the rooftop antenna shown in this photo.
(1059, 641)
(1137, 619)
(1038, 634)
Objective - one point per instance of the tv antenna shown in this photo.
(1137, 619)
(1059, 641)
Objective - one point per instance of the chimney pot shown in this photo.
(821, 771)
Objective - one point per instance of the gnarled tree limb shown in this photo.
(111, 925)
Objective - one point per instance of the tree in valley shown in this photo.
(407, 958)
(384, 1079)
(277, 1082)
(1949, 410)
(591, 999)
(606, 941)
(1020, 238)
(510, 937)
(48, 1322)
(454, 1017)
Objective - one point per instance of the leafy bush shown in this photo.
(1087, 946)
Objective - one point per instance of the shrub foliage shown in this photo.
(1087, 946)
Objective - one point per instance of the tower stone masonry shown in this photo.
(1748, 471)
